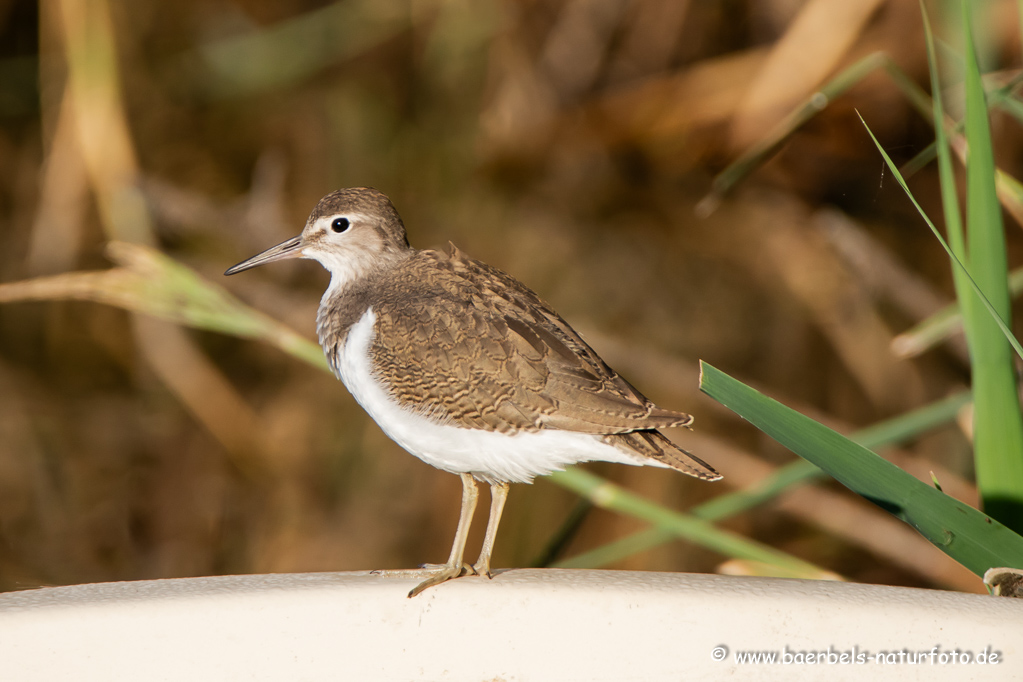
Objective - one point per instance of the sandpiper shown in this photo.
(465, 367)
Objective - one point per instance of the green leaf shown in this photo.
(973, 539)
(998, 426)
(800, 472)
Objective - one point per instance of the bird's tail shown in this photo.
(654, 445)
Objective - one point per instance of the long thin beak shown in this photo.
(288, 249)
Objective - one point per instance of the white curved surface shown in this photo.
(522, 625)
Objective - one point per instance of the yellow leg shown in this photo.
(454, 567)
(498, 495)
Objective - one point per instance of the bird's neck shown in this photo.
(344, 303)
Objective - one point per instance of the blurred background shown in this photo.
(571, 143)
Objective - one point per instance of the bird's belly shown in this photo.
(488, 455)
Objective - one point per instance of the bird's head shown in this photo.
(351, 232)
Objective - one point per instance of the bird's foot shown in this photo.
(423, 571)
(420, 572)
(482, 567)
(440, 573)
(435, 568)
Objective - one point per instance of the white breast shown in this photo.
(488, 455)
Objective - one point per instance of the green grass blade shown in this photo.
(955, 259)
(1011, 106)
(949, 198)
(292, 50)
(619, 549)
(1019, 16)
(607, 495)
(851, 76)
(942, 324)
(889, 432)
(1010, 193)
(904, 427)
(967, 535)
(755, 157)
(151, 283)
(998, 427)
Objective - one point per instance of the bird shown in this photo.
(465, 367)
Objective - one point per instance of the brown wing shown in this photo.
(654, 445)
(466, 342)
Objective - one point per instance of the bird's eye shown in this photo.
(339, 225)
